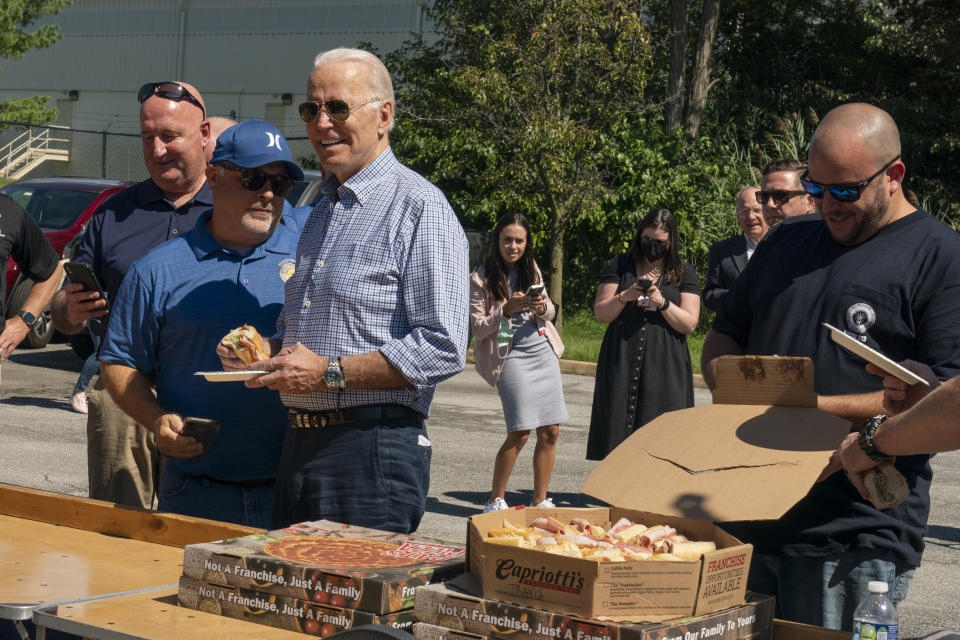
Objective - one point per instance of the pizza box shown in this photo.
(455, 607)
(328, 563)
(756, 452)
(281, 612)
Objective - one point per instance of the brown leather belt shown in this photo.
(372, 413)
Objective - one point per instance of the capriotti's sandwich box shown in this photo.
(279, 611)
(751, 455)
(454, 607)
(328, 563)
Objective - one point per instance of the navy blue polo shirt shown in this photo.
(130, 224)
(172, 309)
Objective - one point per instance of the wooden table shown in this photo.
(56, 548)
(149, 614)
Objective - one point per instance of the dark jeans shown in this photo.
(371, 474)
(206, 498)
(825, 591)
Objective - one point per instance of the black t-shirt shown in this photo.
(21, 237)
(899, 291)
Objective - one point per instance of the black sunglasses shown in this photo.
(849, 192)
(170, 91)
(338, 110)
(780, 197)
(254, 179)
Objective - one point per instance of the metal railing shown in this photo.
(30, 149)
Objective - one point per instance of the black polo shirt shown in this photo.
(900, 292)
(130, 224)
(21, 238)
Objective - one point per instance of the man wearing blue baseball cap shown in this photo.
(172, 309)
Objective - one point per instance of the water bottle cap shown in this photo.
(877, 587)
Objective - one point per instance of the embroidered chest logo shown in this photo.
(287, 267)
(860, 317)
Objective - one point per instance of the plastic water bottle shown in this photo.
(876, 616)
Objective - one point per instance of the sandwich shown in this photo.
(246, 344)
(886, 487)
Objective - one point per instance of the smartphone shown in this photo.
(535, 290)
(203, 430)
(644, 283)
(82, 273)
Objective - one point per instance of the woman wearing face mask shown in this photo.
(650, 300)
(517, 349)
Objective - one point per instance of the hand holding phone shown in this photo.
(534, 290)
(203, 430)
(82, 273)
(644, 283)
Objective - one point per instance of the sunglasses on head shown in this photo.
(780, 196)
(849, 192)
(254, 179)
(170, 91)
(338, 110)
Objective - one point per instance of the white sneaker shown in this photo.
(546, 504)
(497, 504)
(78, 402)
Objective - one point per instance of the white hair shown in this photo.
(380, 84)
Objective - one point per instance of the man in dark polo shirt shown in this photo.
(22, 238)
(887, 273)
(174, 131)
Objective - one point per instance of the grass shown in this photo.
(582, 335)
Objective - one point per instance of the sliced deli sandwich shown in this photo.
(246, 344)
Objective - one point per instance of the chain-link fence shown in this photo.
(90, 154)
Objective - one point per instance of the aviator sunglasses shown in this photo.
(338, 110)
(849, 192)
(170, 91)
(254, 179)
(780, 197)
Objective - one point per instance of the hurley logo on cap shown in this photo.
(243, 145)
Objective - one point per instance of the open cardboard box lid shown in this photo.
(751, 455)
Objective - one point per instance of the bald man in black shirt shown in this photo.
(889, 274)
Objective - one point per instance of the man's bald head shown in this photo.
(860, 124)
(218, 125)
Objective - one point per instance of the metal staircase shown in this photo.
(30, 149)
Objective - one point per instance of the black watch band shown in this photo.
(665, 305)
(865, 439)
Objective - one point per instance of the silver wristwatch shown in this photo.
(334, 375)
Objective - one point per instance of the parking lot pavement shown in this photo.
(42, 445)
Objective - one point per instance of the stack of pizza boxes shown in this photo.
(751, 455)
(316, 577)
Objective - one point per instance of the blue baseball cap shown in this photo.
(255, 143)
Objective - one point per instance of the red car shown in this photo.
(62, 207)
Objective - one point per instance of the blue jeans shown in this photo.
(90, 366)
(825, 591)
(362, 473)
(204, 497)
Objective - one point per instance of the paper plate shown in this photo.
(229, 376)
(873, 356)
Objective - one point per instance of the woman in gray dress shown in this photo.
(517, 349)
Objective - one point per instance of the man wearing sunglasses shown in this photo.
(174, 131)
(375, 314)
(781, 193)
(728, 258)
(887, 273)
(173, 308)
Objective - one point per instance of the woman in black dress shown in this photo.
(650, 300)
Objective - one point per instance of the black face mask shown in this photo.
(652, 249)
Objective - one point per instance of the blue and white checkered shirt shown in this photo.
(382, 264)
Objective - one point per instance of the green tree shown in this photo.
(15, 17)
(508, 109)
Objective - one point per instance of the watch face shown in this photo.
(28, 318)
